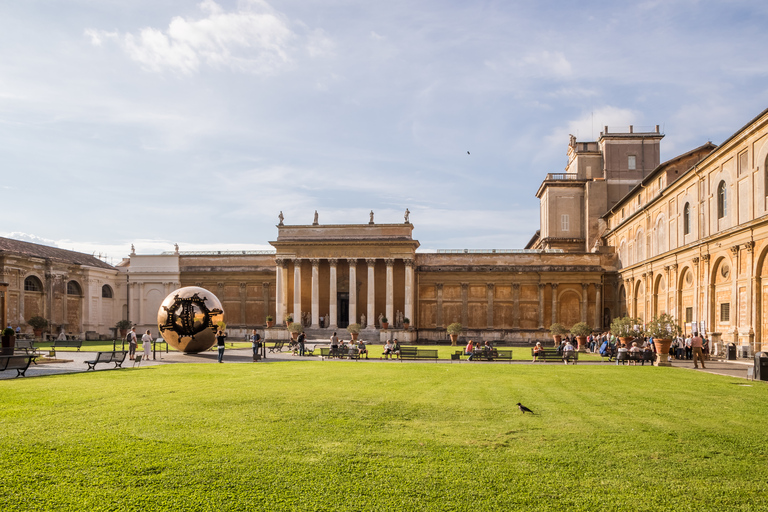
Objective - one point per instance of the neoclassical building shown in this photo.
(620, 233)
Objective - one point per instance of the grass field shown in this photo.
(353, 436)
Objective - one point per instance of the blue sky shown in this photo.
(161, 122)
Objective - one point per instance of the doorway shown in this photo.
(342, 305)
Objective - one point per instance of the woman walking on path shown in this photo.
(220, 337)
(146, 340)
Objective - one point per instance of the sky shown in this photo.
(165, 121)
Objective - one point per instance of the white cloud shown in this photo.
(254, 38)
(26, 237)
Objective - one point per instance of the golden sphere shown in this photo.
(188, 319)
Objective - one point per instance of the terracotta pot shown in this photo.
(558, 339)
(294, 336)
(626, 341)
(385, 325)
(662, 351)
(406, 325)
(582, 340)
(454, 338)
(37, 332)
(123, 333)
(270, 323)
(354, 336)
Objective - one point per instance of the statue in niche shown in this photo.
(363, 324)
(381, 316)
(371, 221)
(314, 222)
(407, 216)
(280, 218)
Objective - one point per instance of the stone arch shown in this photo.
(107, 292)
(660, 235)
(761, 305)
(639, 300)
(74, 298)
(622, 301)
(720, 287)
(569, 307)
(74, 288)
(639, 246)
(34, 296)
(32, 283)
(659, 304)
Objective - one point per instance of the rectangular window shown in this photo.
(725, 312)
(622, 213)
(688, 315)
(632, 162)
(743, 162)
(659, 184)
(564, 222)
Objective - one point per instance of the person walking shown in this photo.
(334, 345)
(132, 343)
(255, 344)
(220, 337)
(696, 344)
(146, 341)
(302, 337)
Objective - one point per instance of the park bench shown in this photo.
(492, 355)
(67, 344)
(28, 346)
(20, 363)
(417, 353)
(277, 347)
(342, 352)
(552, 355)
(642, 357)
(116, 357)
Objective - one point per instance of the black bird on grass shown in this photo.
(523, 408)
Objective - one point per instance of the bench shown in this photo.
(552, 355)
(625, 357)
(116, 357)
(67, 344)
(350, 353)
(19, 363)
(417, 353)
(492, 355)
(277, 347)
(28, 346)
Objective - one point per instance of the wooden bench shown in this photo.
(67, 344)
(552, 355)
(28, 346)
(417, 353)
(277, 347)
(642, 357)
(492, 355)
(116, 357)
(19, 363)
(341, 353)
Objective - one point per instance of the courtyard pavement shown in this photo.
(74, 362)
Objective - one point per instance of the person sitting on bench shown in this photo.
(387, 349)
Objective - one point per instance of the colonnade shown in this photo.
(283, 308)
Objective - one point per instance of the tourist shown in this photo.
(334, 345)
(622, 354)
(696, 344)
(146, 341)
(647, 355)
(468, 348)
(362, 349)
(131, 342)
(255, 344)
(396, 348)
(387, 349)
(635, 353)
(220, 337)
(688, 348)
(538, 351)
(569, 352)
(302, 338)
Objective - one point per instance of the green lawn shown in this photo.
(351, 436)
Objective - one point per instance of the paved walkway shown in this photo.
(74, 362)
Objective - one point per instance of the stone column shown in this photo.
(489, 288)
(752, 297)
(598, 306)
(4, 304)
(708, 293)
(464, 304)
(140, 298)
(265, 298)
(541, 305)
(584, 301)
(735, 267)
(667, 300)
(371, 309)
(630, 298)
(390, 311)
(353, 291)
(297, 290)
(409, 289)
(696, 292)
(554, 302)
(651, 298)
(279, 290)
(678, 314)
(515, 305)
(315, 293)
(333, 295)
(243, 298)
(439, 313)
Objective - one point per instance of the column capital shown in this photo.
(280, 262)
(749, 246)
(515, 286)
(584, 286)
(439, 286)
(696, 259)
(315, 262)
(735, 250)
(554, 286)
(265, 285)
(370, 261)
(333, 261)
(464, 286)
(673, 267)
(541, 286)
(408, 262)
(666, 269)
(705, 258)
(389, 261)
(243, 285)
(352, 261)
(490, 286)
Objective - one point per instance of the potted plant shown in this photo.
(122, 327)
(406, 323)
(270, 321)
(354, 330)
(581, 330)
(557, 330)
(38, 323)
(9, 341)
(662, 329)
(295, 329)
(454, 330)
(384, 322)
(626, 329)
(288, 320)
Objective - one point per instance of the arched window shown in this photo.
(73, 288)
(639, 247)
(722, 201)
(687, 219)
(106, 292)
(661, 236)
(32, 284)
